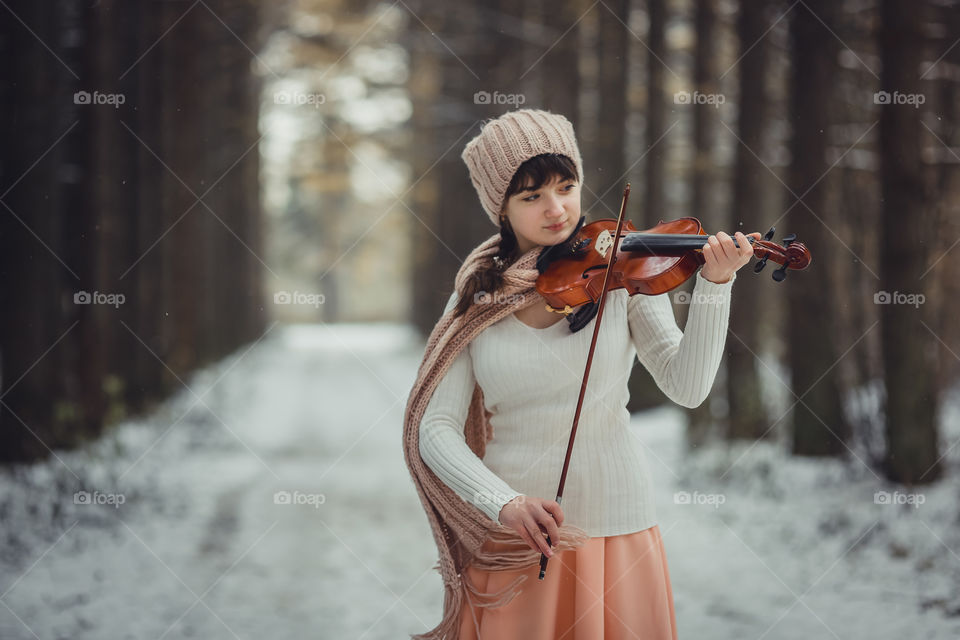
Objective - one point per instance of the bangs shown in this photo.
(538, 170)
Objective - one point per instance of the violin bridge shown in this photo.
(603, 243)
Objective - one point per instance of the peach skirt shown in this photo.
(616, 587)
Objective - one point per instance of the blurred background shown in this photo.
(227, 228)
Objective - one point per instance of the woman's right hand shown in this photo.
(531, 517)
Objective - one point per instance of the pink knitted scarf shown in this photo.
(459, 528)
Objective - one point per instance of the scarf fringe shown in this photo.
(449, 627)
(513, 553)
(517, 555)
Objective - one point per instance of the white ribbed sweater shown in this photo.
(531, 381)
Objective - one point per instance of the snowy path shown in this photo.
(201, 549)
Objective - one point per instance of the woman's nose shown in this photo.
(554, 207)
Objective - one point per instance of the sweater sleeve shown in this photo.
(683, 364)
(444, 448)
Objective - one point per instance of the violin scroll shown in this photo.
(792, 256)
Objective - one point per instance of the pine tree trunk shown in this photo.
(425, 85)
(36, 283)
(909, 353)
(644, 392)
(559, 71)
(747, 418)
(606, 179)
(819, 425)
(700, 419)
(654, 201)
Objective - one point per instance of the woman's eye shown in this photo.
(533, 197)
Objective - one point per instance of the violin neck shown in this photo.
(663, 244)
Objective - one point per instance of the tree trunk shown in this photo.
(700, 419)
(654, 205)
(146, 270)
(644, 392)
(819, 425)
(747, 417)
(36, 282)
(909, 351)
(89, 210)
(425, 86)
(606, 179)
(559, 71)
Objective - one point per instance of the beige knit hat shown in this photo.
(507, 142)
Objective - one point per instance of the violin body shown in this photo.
(651, 262)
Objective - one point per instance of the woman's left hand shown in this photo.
(722, 258)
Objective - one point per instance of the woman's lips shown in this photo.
(557, 226)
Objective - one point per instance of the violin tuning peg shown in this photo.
(761, 263)
(769, 234)
(790, 238)
(780, 273)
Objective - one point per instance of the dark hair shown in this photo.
(531, 175)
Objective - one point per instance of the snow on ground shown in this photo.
(204, 546)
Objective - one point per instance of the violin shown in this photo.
(610, 254)
(650, 262)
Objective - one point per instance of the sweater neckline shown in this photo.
(523, 324)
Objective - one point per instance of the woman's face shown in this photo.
(533, 214)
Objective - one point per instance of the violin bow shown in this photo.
(611, 258)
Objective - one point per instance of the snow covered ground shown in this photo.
(269, 499)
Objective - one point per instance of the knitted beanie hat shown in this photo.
(507, 142)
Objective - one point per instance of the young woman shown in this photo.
(489, 416)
